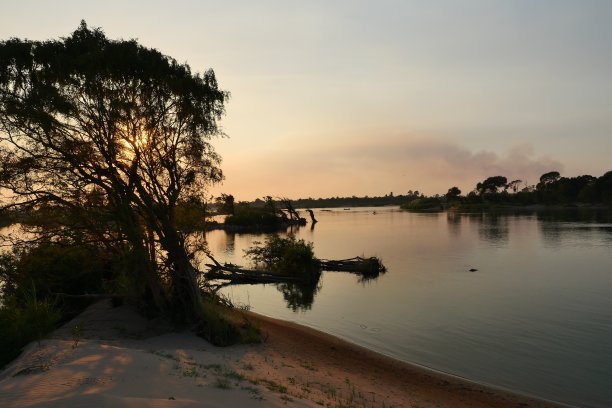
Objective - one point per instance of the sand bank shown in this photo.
(115, 358)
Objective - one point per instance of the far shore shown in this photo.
(119, 359)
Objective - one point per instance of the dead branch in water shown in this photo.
(237, 275)
(366, 267)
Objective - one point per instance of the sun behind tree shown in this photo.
(85, 115)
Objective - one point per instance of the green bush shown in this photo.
(30, 280)
(223, 325)
(285, 255)
(21, 323)
(53, 268)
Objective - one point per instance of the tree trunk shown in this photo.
(143, 263)
(186, 295)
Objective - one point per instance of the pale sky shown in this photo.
(334, 98)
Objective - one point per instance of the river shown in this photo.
(535, 317)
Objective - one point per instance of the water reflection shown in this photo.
(540, 302)
(230, 242)
(602, 216)
(568, 224)
(230, 246)
(299, 296)
(494, 229)
(453, 221)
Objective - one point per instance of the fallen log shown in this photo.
(234, 274)
(371, 266)
(239, 275)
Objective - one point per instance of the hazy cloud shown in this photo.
(371, 168)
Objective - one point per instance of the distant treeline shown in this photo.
(497, 190)
(346, 202)
(552, 189)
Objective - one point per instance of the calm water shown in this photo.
(536, 317)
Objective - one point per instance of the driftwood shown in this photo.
(365, 266)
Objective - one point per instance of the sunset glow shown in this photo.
(360, 98)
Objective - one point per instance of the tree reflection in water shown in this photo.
(299, 296)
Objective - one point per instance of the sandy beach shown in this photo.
(112, 357)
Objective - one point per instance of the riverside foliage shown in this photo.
(553, 189)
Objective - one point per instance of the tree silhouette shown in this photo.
(453, 193)
(225, 204)
(513, 185)
(112, 136)
(491, 184)
(547, 179)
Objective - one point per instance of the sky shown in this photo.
(340, 98)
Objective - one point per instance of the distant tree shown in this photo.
(453, 193)
(110, 136)
(548, 178)
(603, 187)
(513, 185)
(491, 184)
(225, 204)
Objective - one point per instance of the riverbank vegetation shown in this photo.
(497, 192)
(34, 282)
(494, 191)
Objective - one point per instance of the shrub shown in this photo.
(286, 255)
(223, 325)
(21, 323)
(53, 268)
(31, 277)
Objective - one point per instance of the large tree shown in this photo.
(112, 136)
